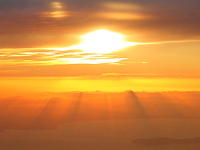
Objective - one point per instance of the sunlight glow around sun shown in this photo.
(100, 41)
(103, 41)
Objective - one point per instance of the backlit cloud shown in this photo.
(24, 22)
(49, 56)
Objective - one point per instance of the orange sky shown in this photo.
(159, 60)
(32, 38)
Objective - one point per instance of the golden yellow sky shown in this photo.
(25, 85)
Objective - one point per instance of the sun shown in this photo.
(103, 41)
(100, 41)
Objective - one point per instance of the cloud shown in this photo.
(53, 56)
(23, 24)
(167, 141)
(129, 75)
(164, 20)
(121, 11)
(46, 106)
(71, 55)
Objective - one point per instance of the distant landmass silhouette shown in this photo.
(167, 141)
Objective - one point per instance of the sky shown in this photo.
(73, 69)
(42, 38)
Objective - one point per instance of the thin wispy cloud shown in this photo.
(56, 56)
(71, 55)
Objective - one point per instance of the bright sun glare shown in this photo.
(103, 41)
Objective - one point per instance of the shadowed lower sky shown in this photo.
(34, 24)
